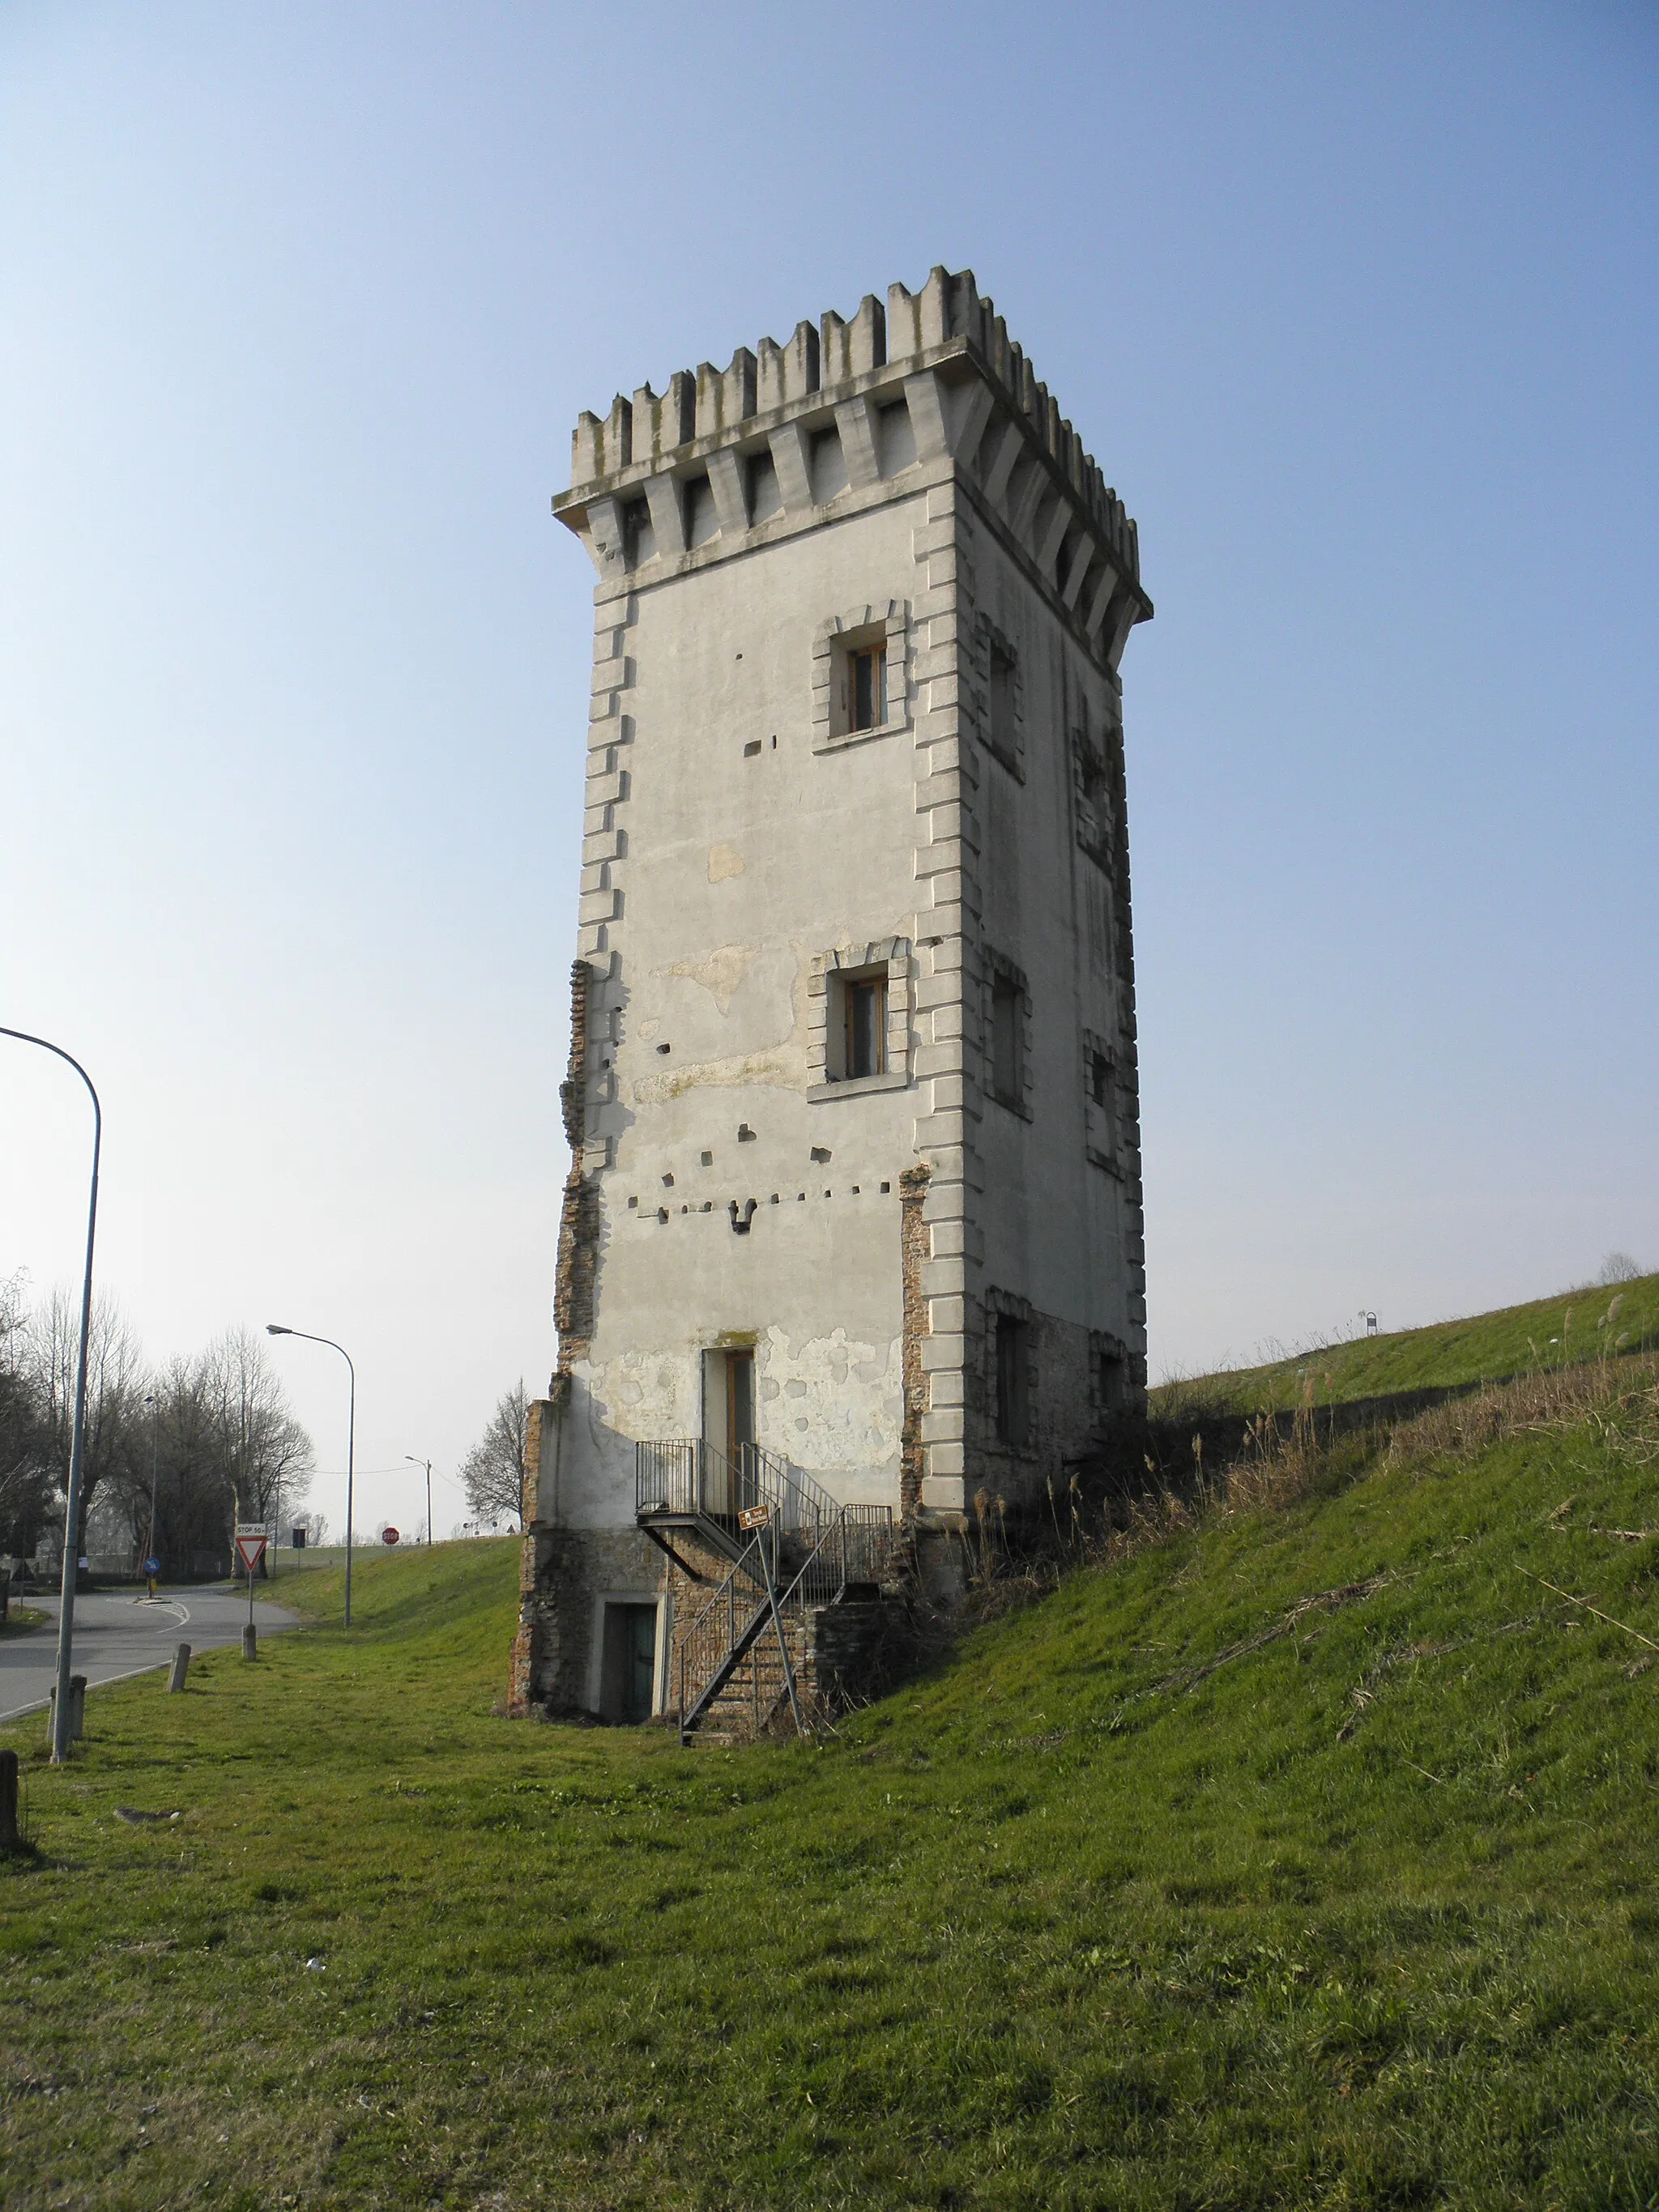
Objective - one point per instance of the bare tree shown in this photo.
(267, 1454)
(26, 1483)
(1617, 1268)
(115, 1392)
(493, 1472)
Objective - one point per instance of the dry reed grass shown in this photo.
(1273, 1463)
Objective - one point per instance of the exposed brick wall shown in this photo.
(579, 1215)
(562, 1574)
(529, 1641)
(1129, 1070)
(915, 1249)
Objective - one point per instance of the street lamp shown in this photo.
(275, 1328)
(60, 1724)
(427, 1464)
(150, 1543)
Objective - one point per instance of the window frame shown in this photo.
(1010, 1372)
(866, 706)
(855, 989)
(885, 964)
(1002, 735)
(1102, 1118)
(880, 628)
(1005, 981)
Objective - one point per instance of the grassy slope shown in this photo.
(1487, 1348)
(1059, 1926)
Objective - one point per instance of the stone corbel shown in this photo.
(858, 443)
(667, 515)
(725, 480)
(1054, 536)
(605, 536)
(1011, 443)
(793, 459)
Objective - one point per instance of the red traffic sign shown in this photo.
(390, 1536)
(251, 1549)
(754, 1516)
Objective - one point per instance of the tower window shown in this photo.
(858, 686)
(868, 674)
(1013, 1415)
(1004, 716)
(1001, 720)
(1100, 1111)
(1007, 1040)
(866, 1026)
(859, 1036)
(1111, 1376)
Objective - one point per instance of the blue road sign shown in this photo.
(152, 1566)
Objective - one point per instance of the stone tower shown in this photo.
(854, 1217)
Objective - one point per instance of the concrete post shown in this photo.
(180, 1668)
(78, 1711)
(250, 1641)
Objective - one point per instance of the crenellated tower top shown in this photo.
(843, 411)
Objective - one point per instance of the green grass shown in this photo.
(1159, 1892)
(1558, 1332)
(21, 1619)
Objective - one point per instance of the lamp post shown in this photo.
(149, 1541)
(275, 1328)
(427, 1464)
(60, 1724)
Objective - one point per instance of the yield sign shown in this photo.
(251, 1547)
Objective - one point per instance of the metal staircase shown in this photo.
(791, 1547)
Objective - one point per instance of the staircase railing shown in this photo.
(691, 1477)
(807, 1552)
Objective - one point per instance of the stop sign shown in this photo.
(388, 1535)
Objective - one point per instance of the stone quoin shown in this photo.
(852, 1228)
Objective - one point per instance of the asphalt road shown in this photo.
(118, 1633)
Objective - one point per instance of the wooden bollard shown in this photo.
(10, 1838)
(250, 1641)
(180, 1668)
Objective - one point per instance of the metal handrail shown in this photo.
(690, 1476)
(828, 1545)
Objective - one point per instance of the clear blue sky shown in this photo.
(1356, 305)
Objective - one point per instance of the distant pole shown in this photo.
(427, 1464)
(275, 1328)
(149, 1541)
(60, 1729)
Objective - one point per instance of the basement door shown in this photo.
(628, 1679)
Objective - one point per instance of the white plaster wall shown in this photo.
(735, 870)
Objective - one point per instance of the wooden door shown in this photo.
(740, 1426)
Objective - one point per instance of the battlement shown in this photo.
(822, 366)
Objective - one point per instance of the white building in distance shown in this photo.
(854, 1217)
